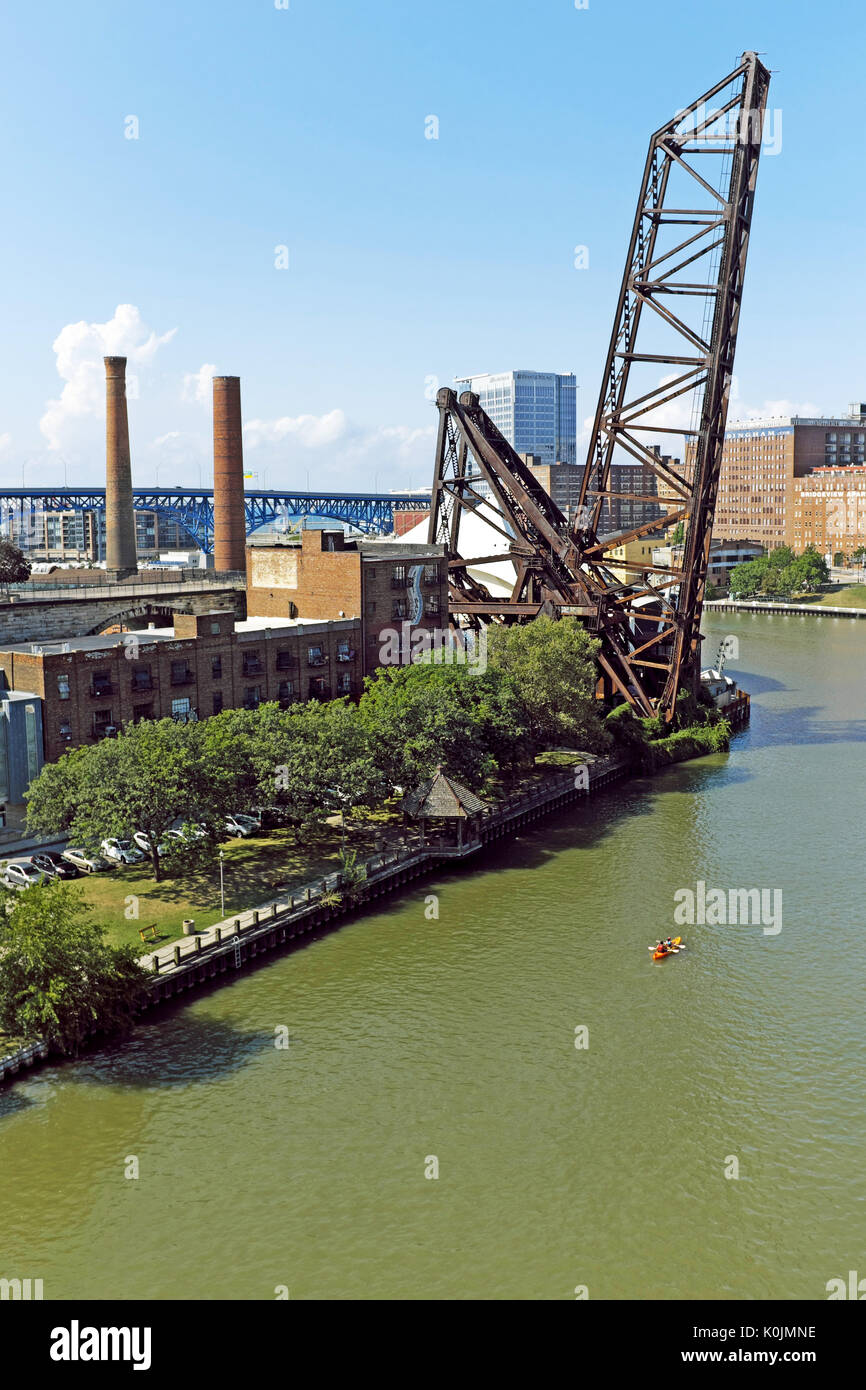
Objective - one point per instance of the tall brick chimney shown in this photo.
(120, 555)
(229, 519)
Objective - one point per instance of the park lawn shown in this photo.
(847, 596)
(253, 868)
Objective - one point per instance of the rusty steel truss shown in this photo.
(668, 372)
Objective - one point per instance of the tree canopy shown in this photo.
(313, 759)
(145, 779)
(14, 569)
(59, 979)
(552, 666)
(780, 574)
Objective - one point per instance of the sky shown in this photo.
(250, 187)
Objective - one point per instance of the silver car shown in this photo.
(19, 874)
(87, 863)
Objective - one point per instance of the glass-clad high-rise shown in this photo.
(536, 411)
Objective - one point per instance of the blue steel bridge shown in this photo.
(370, 512)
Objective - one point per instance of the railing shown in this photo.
(143, 686)
(298, 902)
(97, 691)
(317, 660)
(24, 1056)
(252, 668)
(104, 588)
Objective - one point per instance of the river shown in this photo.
(410, 1036)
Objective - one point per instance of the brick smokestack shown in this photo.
(229, 518)
(120, 556)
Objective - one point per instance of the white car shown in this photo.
(19, 874)
(122, 851)
(86, 862)
(249, 818)
(143, 843)
(239, 825)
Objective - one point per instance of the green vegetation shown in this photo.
(697, 729)
(14, 569)
(59, 979)
(307, 767)
(779, 575)
(127, 898)
(310, 761)
(552, 669)
(844, 596)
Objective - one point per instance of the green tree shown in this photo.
(59, 980)
(14, 569)
(423, 716)
(552, 665)
(780, 557)
(748, 578)
(145, 779)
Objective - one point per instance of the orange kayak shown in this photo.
(660, 955)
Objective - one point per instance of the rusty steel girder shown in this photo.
(688, 245)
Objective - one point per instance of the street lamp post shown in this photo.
(222, 886)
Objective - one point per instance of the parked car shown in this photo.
(142, 841)
(236, 825)
(274, 817)
(21, 874)
(190, 830)
(122, 851)
(86, 862)
(249, 818)
(53, 865)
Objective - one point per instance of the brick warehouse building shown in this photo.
(382, 583)
(91, 686)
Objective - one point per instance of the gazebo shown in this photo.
(442, 799)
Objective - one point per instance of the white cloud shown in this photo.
(80, 348)
(310, 431)
(333, 452)
(197, 385)
(166, 438)
(5, 441)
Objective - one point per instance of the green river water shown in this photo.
(409, 1037)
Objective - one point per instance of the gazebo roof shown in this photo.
(443, 797)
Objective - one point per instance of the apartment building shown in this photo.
(829, 510)
(762, 492)
(90, 687)
(80, 535)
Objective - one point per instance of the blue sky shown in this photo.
(410, 259)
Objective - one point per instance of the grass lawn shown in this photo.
(844, 596)
(253, 868)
